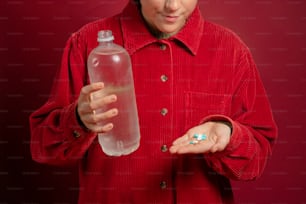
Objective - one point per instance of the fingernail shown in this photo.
(115, 111)
(114, 98)
(110, 126)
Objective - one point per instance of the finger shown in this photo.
(201, 147)
(96, 122)
(99, 103)
(101, 129)
(106, 128)
(97, 118)
(188, 144)
(181, 140)
(87, 90)
(89, 107)
(93, 118)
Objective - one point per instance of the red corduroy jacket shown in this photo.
(203, 73)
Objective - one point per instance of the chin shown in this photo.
(169, 31)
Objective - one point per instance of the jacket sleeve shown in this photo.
(253, 127)
(56, 136)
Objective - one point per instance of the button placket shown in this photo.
(165, 102)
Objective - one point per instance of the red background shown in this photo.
(33, 34)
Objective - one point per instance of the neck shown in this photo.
(156, 33)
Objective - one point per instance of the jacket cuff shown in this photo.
(75, 130)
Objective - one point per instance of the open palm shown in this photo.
(217, 137)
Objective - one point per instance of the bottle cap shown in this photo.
(105, 35)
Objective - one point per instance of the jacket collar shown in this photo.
(137, 36)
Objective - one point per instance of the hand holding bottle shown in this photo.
(91, 99)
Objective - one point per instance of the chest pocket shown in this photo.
(199, 105)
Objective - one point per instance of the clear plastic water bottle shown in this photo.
(110, 63)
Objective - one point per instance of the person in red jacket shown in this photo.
(203, 111)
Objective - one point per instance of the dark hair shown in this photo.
(137, 2)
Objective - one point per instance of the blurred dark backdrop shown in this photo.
(33, 34)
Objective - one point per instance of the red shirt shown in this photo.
(203, 73)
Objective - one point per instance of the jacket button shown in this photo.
(164, 78)
(76, 134)
(163, 184)
(164, 111)
(163, 47)
(164, 148)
